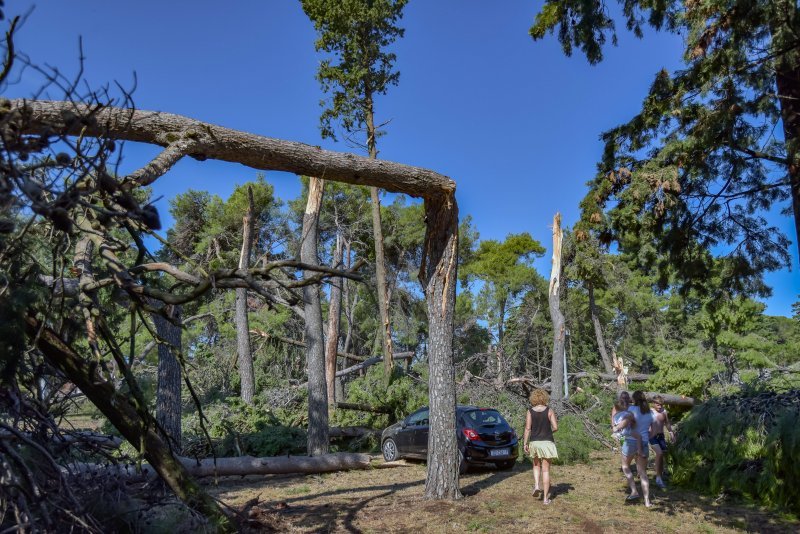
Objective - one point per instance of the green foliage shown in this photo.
(690, 175)
(743, 446)
(687, 371)
(573, 443)
(238, 429)
(404, 394)
(356, 33)
(505, 270)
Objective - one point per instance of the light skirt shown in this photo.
(543, 449)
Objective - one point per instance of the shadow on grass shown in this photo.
(496, 476)
(738, 515)
(727, 514)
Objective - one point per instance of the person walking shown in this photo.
(624, 427)
(540, 423)
(658, 441)
(644, 420)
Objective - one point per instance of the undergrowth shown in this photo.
(745, 446)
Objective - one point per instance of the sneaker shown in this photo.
(660, 483)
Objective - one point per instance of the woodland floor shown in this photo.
(586, 498)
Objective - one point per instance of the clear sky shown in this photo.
(513, 122)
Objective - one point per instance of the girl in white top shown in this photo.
(644, 418)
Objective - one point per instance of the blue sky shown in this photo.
(515, 123)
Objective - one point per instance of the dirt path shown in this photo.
(586, 498)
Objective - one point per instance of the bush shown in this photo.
(573, 443)
(239, 429)
(404, 394)
(746, 446)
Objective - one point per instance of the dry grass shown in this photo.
(586, 498)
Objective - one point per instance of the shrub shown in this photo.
(744, 446)
(573, 443)
(237, 429)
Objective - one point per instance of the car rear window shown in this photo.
(477, 418)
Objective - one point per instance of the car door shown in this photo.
(421, 430)
(405, 436)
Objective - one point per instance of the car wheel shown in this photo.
(390, 452)
(505, 466)
(462, 463)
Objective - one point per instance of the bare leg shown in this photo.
(536, 465)
(659, 463)
(546, 479)
(626, 470)
(641, 467)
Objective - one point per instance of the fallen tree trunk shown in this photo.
(297, 343)
(238, 466)
(366, 363)
(669, 398)
(362, 408)
(75, 438)
(673, 400)
(353, 432)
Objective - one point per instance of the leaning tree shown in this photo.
(86, 204)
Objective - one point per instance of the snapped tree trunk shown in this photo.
(437, 274)
(557, 318)
(119, 410)
(315, 350)
(168, 391)
(334, 319)
(245, 356)
(598, 330)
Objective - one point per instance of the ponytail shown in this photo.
(640, 400)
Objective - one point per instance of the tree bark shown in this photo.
(557, 318)
(437, 274)
(125, 418)
(224, 144)
(598, 330)
(245, 355)
(246, 465)
(334, 319)
(315, 350)
(168, 391)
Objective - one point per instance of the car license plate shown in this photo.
(498, 452)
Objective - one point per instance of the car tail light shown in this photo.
(513, 434)
(471, 434)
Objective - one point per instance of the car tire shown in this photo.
(390, 452)
(463, 466)
(506, 465)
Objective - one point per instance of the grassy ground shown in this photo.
(586, 498)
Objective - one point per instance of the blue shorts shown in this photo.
(629, 448)
(659, 440)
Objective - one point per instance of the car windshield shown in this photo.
(484, 418)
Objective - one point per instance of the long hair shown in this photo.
(640, 400)
(622, 401)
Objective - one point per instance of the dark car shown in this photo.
(483, 437)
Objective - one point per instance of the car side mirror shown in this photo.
(403, 424)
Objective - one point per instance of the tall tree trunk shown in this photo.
(380, 262)
(348, 312)
(598, 330)
(315, 349)
(787, 80)
(334, 319)
(123, 415)
(168, 391)
(437, 274)
(557, 374)
(246, 373)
